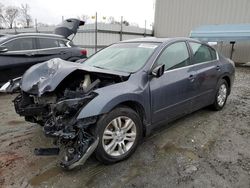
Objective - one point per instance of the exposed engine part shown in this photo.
(25, 106)
(78, 93)
(76, 153)
(46, 99)
(58, 112)
(86, 82)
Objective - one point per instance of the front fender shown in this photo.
(112, 96)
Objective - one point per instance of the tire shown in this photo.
(219, 103)
(121, 143)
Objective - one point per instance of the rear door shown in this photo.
(49, 48)
(20, 56)
(207, 66)
(171, 94)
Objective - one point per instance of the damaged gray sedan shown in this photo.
(109, 102)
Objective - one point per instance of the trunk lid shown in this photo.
(68, 27)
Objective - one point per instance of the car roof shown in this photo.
(159, 40)
(7, 37)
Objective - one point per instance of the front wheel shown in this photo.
(221, 95)
(119, 134)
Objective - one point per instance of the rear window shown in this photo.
(50, 43)
(20, 44)
(213, 53)
(201, 53)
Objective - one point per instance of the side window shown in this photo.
(175, 56)
(62, 43)
(201, 52)
(48, 43)
(20, 44)
(213, 54)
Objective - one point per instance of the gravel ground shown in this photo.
(203, 149)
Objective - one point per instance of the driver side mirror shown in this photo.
(158, 71)
(3, 49)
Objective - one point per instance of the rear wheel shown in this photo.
(221, 95)
(119, 134)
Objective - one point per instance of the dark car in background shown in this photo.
(21, 51)
(118, 95)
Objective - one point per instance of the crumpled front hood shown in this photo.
(45, 77)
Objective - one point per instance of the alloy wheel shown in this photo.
(222, 95)
(119, 136)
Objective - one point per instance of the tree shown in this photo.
(126, 23)
(11, 13)
(25, 16)
(112, 20)
(2, 20)
(84, 17)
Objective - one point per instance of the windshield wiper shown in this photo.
(98, 67)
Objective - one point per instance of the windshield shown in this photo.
(2, 38)
(124, 57)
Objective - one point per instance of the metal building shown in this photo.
(179, 17)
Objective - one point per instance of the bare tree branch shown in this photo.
(25, 16)
(84, 17)
(2, 20)
(11, 13)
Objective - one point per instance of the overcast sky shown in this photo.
(51, 11)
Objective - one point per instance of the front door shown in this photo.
(171, 94)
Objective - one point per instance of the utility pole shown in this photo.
(145, 30)
(15, 27)
(121, 28)
(96, 32)
(36, 25)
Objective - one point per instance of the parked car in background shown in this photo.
(19, 52)
(118, 95)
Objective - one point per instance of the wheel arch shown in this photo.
(226, 77)
(139, 109)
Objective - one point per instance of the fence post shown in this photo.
(121, 28)
(15, 27)
(36, 25)
(96, 32)
(145, 29)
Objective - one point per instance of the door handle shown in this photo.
(218, 67)
(191, 77)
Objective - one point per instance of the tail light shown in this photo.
(84, 52)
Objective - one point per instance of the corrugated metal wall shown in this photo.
(107, 34)
(179, 17)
